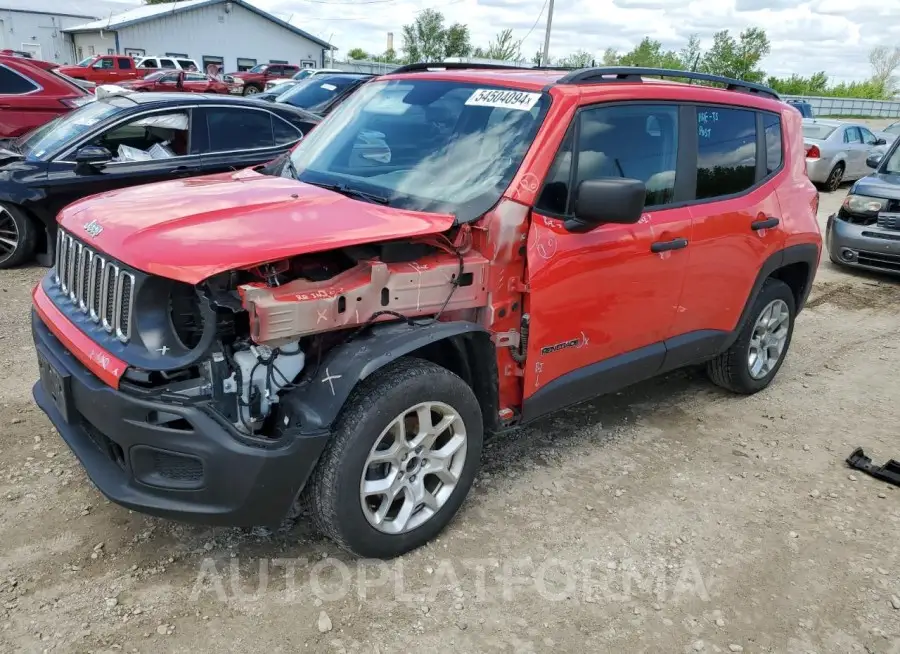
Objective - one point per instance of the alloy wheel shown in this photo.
(768, 338)
(9, 235)
(834, 180)
(413, 467)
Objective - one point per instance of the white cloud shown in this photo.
(806, 35)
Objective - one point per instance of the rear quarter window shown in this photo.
(12, 83)
(774, 148)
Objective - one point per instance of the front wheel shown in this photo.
(250, 90)
(752, 362)
(18, 236)
(401, 460)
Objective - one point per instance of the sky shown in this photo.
(806, 36)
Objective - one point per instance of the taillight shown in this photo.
(812, 152)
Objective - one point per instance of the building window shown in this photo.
(91, 52)
(110, 51)
(135, 52)
(277, 61)
(245, 63)
(210, 60)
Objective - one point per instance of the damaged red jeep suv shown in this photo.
(455, 251)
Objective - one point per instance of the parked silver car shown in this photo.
(836, 151)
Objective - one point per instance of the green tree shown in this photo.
(737, 58)
(610, 57)
(357, 54)
(536, 58)
(503, 47)
(456, 41)
(649, 53)
(388, 57)
(579, 59)
(689, 56)
(427, 39)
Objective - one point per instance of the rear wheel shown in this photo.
(835, 177)
(754, 359)
(401, 461)
(251, 90)
(18, 236)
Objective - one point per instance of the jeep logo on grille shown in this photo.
(93, 229)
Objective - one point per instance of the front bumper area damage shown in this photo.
(164, 459)
(863, 246)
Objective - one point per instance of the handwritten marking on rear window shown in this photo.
(503, 99)
(705, 118)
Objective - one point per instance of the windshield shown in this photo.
(817, 131)
(84, 62)
(303, 74)
(892, 164)
(152, 77)
(58, 132)
(424, 145)
(316, 92)
(260, 68)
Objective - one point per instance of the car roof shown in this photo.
(827, 122)
(168, 99)
(542, 79)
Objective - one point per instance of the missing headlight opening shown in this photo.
(254, 335)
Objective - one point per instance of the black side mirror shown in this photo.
(607, 200)
(880, 142)
(92, 157)
(873, 160)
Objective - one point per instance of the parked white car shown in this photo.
(167, 63)
(889, 133)
(300, 75)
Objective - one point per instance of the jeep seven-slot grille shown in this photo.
(95, 285)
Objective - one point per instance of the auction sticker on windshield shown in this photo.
(503, 99)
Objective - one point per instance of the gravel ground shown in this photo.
(672, 517)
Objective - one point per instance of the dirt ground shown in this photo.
(672, 517)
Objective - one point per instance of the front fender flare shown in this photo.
(321, 395)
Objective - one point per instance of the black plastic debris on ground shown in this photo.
(889, 472)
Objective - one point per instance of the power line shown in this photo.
(536, 21)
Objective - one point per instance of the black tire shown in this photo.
(835, 177)
(333, 494)
(252, 89)
(730, 369)
(25, 238)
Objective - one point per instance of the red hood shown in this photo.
(191, 229)
(70, 70)
(246, 75)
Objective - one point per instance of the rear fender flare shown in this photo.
(807, 253)
(319, 399)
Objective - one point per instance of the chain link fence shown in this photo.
(849, 106)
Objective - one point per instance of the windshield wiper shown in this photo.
(291, 168)
(343, 189)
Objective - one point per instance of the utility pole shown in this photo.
(545, 57)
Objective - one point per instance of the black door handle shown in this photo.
(768, 223)
(666, 246)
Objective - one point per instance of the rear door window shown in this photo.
(148, 63)
(234, 128)
(167, 63)
(12, 83)
(726, 151)
(284, 132)
(124, 63)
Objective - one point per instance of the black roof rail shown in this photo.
(636, 73)
(460, 65)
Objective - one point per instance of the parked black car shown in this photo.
(322, 93)
(125, 140)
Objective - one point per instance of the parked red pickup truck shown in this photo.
(106, 69)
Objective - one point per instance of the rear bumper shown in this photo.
(863, 246)
(193, 468)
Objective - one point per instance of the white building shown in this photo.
(37, 26)
(233, 34)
